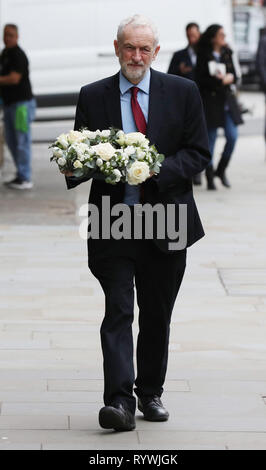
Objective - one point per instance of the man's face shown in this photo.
(136, 51)
(193, 35)
(10, 37)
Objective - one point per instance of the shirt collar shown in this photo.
(143, 85)
(191, 50)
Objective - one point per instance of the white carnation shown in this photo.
(80, 150)
(138, 172)
(129, 150)
(77, 164)
(105, 151)
(140, 153)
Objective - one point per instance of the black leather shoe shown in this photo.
(117, 417)
(223, 178)
(211, 185)
(152, 408)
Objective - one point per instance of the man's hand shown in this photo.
(184, 69)
(67, 173)
(13, 78)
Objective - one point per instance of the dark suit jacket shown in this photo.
(177, 59)
(176, 125)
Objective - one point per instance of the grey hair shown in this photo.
(138, 20)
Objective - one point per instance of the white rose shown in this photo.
(105, 151)
(62, 140)
(135, 138)
(138, 172)
(117, 174)
(106, 133)
(99, 162)
(61, 161)
(74, 136)
(57, 152)
(77, 164)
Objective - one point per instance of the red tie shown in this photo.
(140, 124)
(137, 111)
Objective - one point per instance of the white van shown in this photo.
(70, 42)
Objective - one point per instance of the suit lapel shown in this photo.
(112, 102)
(156, 106)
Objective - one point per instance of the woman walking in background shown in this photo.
(214, 74)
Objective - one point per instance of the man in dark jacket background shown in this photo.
(184, 61)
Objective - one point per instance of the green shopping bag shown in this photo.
(21, 118)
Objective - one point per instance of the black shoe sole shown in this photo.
(110, 418)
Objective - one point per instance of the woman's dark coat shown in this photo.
(214, 94)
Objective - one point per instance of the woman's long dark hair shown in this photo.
(205, 42)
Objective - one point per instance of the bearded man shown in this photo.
(168, 110)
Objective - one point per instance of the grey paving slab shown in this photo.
(33, 422)
(58, 408)
(29, 397)
(20, 446)
(19, 385)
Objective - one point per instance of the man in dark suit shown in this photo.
(169, 111)
(184, 62)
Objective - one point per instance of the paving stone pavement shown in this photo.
(51, 379)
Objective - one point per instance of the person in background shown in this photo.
(18, 106)
(184, 61)
(220, 104)
(261, 64)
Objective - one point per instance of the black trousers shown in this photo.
(157, 277)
